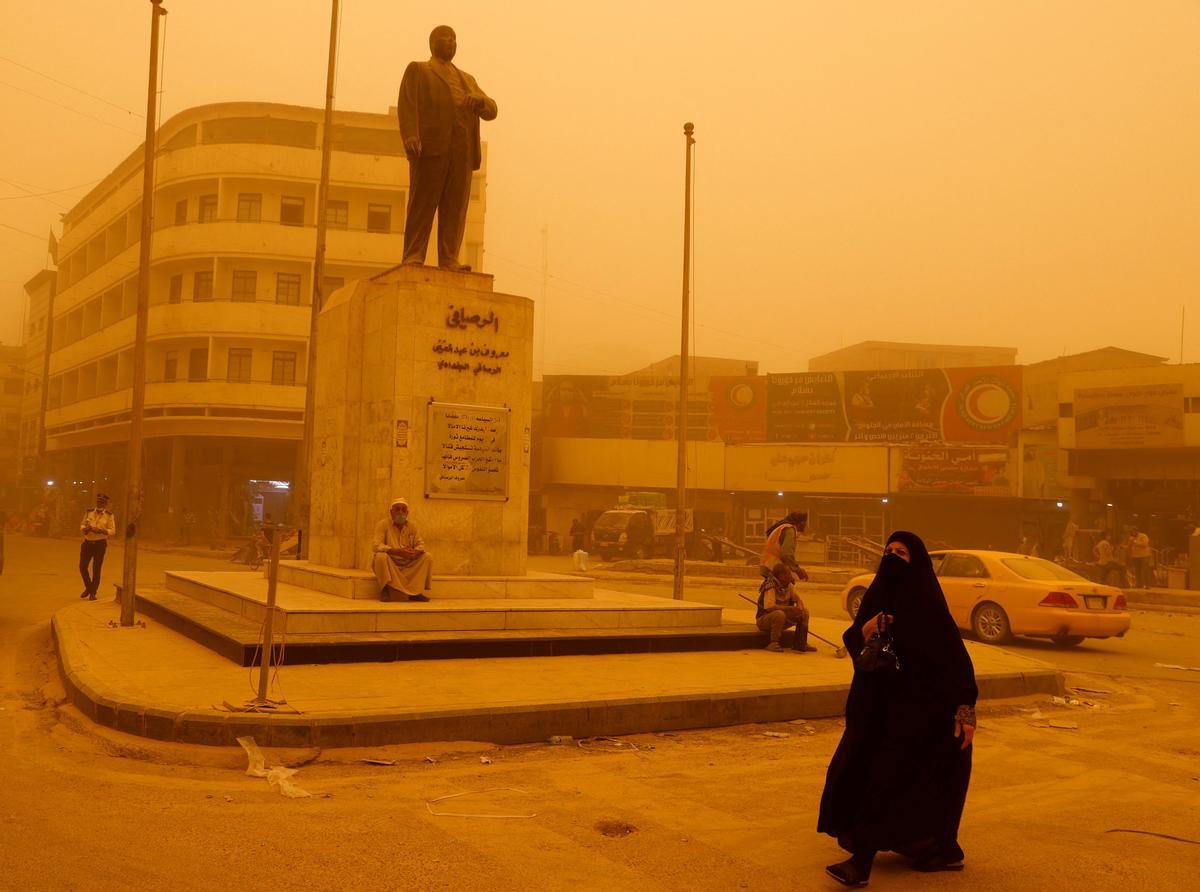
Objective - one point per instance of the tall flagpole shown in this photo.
(301, 491)
(681, 423)
(133, 482)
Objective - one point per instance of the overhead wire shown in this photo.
(62, 83)
(67, 107)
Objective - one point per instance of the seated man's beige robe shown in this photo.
(410, 576)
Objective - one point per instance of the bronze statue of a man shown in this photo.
(440, 107)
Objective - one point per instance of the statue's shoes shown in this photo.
(456, 267)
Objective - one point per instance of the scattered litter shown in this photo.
(1152, 833)
(208, 796)
(484, 760)
(282, 777)
(450, 814)
(1173, 703)
(1036, 716)
(1059, 701)
(615, 829)
(113, 624)
(798, 722)
(228, 798)
(431, 760)
(278, 776)
(1093, 691)
(559, 739)
(1174, 666)
(774, 734)
(609, 744)
(378, 761)
(258, 762)
(1063, 726)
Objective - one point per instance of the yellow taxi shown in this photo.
(997, 594)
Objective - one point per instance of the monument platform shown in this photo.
(362, 585)
(537, 615)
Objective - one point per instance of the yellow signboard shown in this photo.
(1132, 416)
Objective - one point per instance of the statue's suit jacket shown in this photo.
(426, 110)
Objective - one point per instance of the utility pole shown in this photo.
(681, 423)
(301, 491)
(133, 482)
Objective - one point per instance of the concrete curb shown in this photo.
(1147, 598)
(503, 725)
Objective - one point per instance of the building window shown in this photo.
(249, 207)
(283, 367)
(175, 294)
(287, 289)
(208, 208)
(337, 214)
(245, 285)
(331, 284)
(171, 365)
(198, 364)
(181, 212)
(291, 211)
(379, 218)
(202, 286)
(239, 365)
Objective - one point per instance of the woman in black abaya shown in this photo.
(898, 781)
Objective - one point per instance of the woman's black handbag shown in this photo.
(878, 654)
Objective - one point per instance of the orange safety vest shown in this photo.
(772, 553)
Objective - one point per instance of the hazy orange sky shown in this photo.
(1021, 173)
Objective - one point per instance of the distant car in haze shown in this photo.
(998, 594)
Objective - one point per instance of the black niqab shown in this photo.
(898, 780)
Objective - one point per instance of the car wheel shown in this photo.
(989, 622)
(854, 601)
(1067, 640)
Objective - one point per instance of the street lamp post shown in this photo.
(681, 424)
(133, 485)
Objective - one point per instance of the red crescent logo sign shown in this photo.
(987, 403)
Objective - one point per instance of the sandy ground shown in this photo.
(87, 808)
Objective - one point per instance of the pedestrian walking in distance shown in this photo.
(98, 524)
(898, 780)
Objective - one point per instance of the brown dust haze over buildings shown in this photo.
(985, 173)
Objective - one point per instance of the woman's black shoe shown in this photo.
(936, 862)
(848, 873)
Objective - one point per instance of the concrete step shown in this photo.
(237, 637)
(362, 585)
(305, 611)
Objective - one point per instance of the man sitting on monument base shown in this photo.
(401, 565)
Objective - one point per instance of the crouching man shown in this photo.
(401, 565)
(780, 607)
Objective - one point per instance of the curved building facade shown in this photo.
(233, 244)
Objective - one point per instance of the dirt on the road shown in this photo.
(1064, 796)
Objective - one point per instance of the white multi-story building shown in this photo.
(231, 287)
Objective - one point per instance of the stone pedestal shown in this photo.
(387, 348)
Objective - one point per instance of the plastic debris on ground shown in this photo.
(279, 776)
(452, 814)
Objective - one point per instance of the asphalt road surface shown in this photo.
(1062, 798)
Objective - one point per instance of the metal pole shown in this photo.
(301, 491)
(264, 674)
(133, 482)
(681, 423)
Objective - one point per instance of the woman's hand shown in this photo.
(964, 725)
(871, 627)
